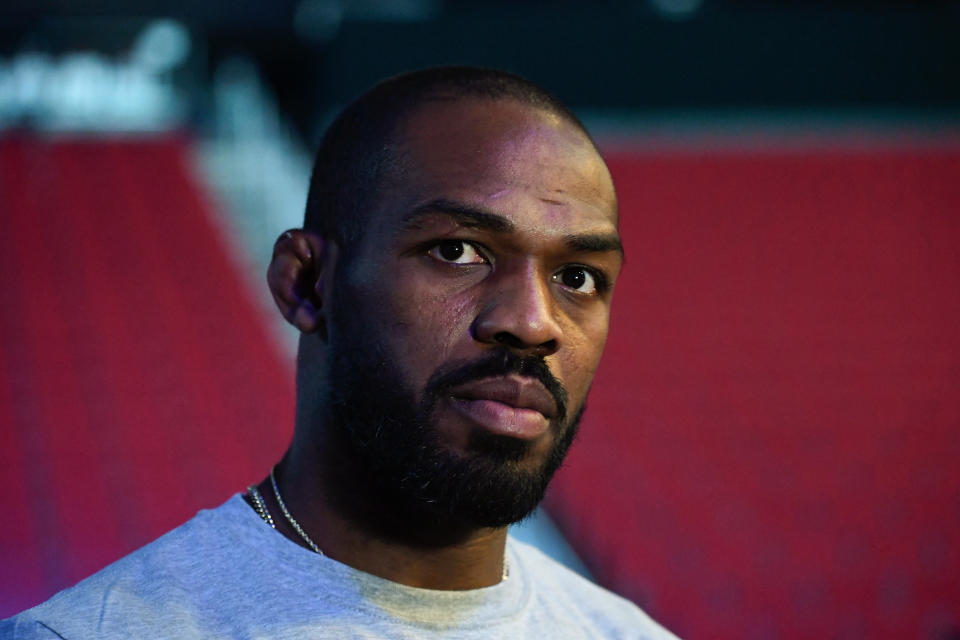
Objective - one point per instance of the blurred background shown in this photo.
(772, 442)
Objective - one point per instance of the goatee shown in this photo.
(384, 460)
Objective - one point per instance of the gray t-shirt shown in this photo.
(226, 574)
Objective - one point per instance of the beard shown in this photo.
(385, 460)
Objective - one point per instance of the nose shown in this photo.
(521, 315)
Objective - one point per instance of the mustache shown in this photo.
(498, 363)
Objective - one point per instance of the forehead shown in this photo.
(529, 163)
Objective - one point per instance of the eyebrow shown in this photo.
(464, 214)
(595, 243)
(477, 218)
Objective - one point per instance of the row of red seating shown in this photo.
(771, 446)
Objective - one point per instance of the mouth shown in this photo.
(512, 405)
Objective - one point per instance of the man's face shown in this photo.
(469, 320)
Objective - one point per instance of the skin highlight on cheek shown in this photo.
(453, 323)
(499, 194)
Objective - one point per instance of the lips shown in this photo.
(509, 406)
(514, 391)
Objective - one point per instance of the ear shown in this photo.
(296, 280)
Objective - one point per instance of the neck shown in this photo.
(359, 531)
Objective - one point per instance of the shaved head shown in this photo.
(360, 150)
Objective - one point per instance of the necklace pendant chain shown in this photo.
(286, 514)
(260, 506)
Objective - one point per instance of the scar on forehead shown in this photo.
(551, 201)
(502, 192)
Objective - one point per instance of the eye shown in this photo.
(580, 279)
(456, 252)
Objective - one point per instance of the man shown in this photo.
(453, 286)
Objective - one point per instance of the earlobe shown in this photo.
(295, 277)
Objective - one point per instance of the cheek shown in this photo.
(581, 355)
(427, 328)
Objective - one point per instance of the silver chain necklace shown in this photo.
(260, 506)
(286, 514)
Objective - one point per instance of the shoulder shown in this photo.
(25, 628)
(565, 595)
(138, 590)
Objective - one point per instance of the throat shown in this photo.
(349, 528)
